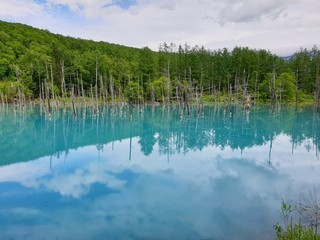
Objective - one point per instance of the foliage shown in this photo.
(32, 57)
(133, 92)
(11, 89)
(285, 85)
(159, 88)
(293, 230)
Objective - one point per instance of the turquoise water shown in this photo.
(157, 176)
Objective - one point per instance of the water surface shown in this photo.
(156, 175)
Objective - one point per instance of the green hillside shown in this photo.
(34, 61)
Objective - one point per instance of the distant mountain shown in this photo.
(288, 58)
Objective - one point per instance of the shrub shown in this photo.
(291, 229)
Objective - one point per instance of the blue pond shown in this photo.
(153, 176)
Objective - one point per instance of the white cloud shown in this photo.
(11, 9)
(252, 10)
(267, 24)
(79, 5)
(256, 24)
(80, 182)
(167, 4)
(239, 186)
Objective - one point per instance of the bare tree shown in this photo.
(308, 207)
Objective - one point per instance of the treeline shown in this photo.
(38, 64)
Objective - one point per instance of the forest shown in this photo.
(38, 65)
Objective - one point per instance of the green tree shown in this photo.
(133, 92)
(285, 86)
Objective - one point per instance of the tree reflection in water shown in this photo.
(29, 133)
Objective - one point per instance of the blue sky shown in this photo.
(124, 4)
(281, 26)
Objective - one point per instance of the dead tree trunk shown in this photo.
(112, 90)
(200, 107)
(317, 92)
(63, 84)
(152, 95)
(52, 86)
(272, 89)
(297, 86)
(230, 96)
(78, 87)
(73, 103)
(255, 89)
(82, 90)
(101, 88)
(245, 86)
(43, 98)
(92, 101)
(190, 82)
(180, 89)
(96, 85)
(168, 84)
(2, 99)
(47, 89)
(177, 95)
(106, 90)
(48, 98)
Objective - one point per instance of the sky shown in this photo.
(281, 26)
